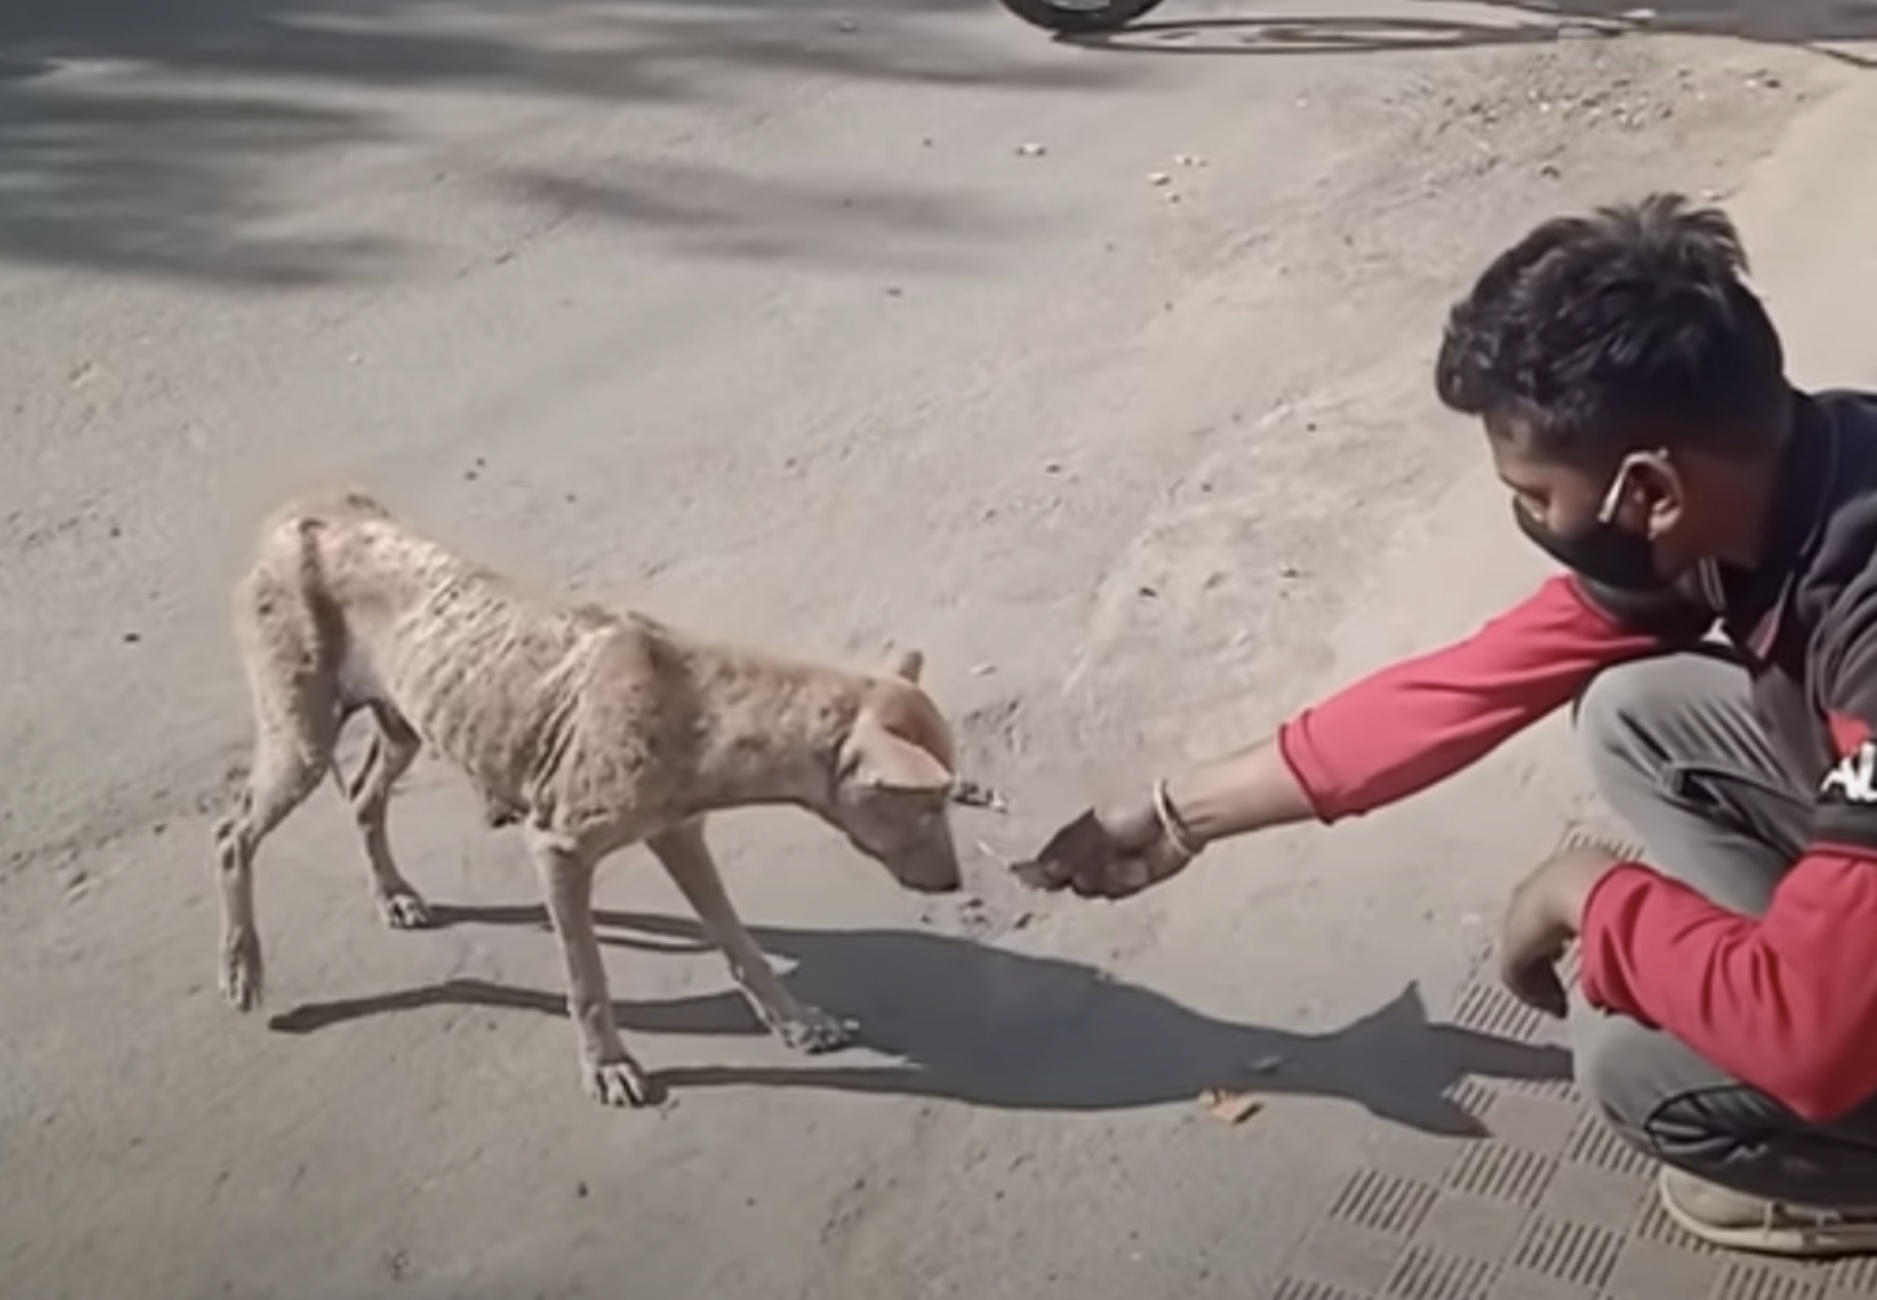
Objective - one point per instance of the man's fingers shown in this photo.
(1080, 840)
(1129, 875)
(1536, 984)
(1111, 879)
(1070, 852)
(1124, 876)
(1085, 857)
(1038, 874)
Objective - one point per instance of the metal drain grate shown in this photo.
(1385, 1203)
(1293, 1289)
(1501, 1173)
(1575, 1253)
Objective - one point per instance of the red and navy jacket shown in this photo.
(1786, 1002)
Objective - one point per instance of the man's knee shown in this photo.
(1619, 715)
(1639, 716)
(1659, 1097)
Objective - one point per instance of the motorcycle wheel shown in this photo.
(1079, 17)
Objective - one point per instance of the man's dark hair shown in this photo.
(1596, 334)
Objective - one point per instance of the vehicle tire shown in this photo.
(1079, 17)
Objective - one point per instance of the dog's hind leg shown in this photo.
(608, 1071)
(296, 723)
(686, 857)
(394, 747)
(292, 750)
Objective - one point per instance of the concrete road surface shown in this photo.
(1099, 373)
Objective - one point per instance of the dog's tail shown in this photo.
(289, 570)
(328, 623)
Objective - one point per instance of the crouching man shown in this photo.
(1635, 404)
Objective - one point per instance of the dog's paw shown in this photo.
(241, 973)
(404, 910)
(621, 1083)
(814, 1031)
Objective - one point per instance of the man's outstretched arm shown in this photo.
(1412, 725)
(1384, 738)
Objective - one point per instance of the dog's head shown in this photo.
(893, 781)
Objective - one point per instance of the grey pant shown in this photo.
(1678, 753)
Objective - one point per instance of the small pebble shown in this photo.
(1229, 1107)
(1158, 178)
(1031, 151)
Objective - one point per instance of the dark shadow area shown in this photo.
(724, 215)
(1805, 23)
(1781, 22)
(1003, 1030)
(1307, 35)
(139, 136)
(141, 184)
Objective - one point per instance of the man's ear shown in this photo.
(1657, 481)
(905, 664)
(876, 759)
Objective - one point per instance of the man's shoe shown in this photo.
(1736, 1221)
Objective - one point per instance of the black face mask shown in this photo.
(1606, 553)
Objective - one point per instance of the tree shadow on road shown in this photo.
(1812, 24)
(140, 136)
(1004, 1030)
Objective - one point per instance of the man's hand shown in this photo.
(1108, 852)
(1542, 919)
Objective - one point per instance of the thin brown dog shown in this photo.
(590, 729)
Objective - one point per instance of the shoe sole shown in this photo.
(1784, 1242)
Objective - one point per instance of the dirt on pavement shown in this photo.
(1099, 374)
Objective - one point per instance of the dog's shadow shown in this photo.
(996, 1028)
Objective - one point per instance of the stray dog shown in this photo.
(590, 729)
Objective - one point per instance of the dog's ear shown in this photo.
(876, 759)
(906, 665)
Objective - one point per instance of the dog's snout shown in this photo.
(933, 884)
(929, 866)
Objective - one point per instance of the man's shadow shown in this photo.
(1004, 1030)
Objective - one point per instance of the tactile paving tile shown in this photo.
(1550, 1206)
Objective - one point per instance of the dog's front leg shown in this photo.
(687, 858)
(610, 1074)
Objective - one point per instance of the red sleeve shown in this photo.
(1787, 1003)
(1405, 728)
